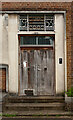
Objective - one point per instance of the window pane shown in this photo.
(49, 22)
(36, 40)
(36, 22)
(23, 23)
(45, 40)
(26, 40)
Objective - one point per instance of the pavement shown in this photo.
(2, 94)
(38, 118)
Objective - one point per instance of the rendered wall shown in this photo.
(3, 40)
(0, 38)
(50, 6)
(59, 52)
(13, 53)
(10, 51)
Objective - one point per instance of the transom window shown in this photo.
(36, 22)
(37, 40)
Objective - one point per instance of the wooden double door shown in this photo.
(37, 71)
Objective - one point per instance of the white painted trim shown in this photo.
(36, 45)
(13, 52)
(59, 53)
(18, 12)
(6, 67)
(44, 22)
(65, 54)
(27, 23)
(36, 1)
(35, 32)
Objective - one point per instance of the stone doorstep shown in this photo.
(34, 106)
(34, 99)
(40, 113)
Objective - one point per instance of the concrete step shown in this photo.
(0, 106)
(45, 99)
(34, 106)
(39, 113)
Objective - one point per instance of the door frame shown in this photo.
(37, 47)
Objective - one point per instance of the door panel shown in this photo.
(24, 72)
(45, 72)
(39, 71)
(32, 70)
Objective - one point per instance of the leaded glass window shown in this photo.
(36, 22)
(49, 22)
(23, 23)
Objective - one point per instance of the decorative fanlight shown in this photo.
(37, 22)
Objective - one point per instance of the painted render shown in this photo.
(10, 50)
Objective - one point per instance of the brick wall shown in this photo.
(3, 79)
(50, 6)
(72, 46)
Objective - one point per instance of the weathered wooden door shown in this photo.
(3, 79)
(37, 71)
